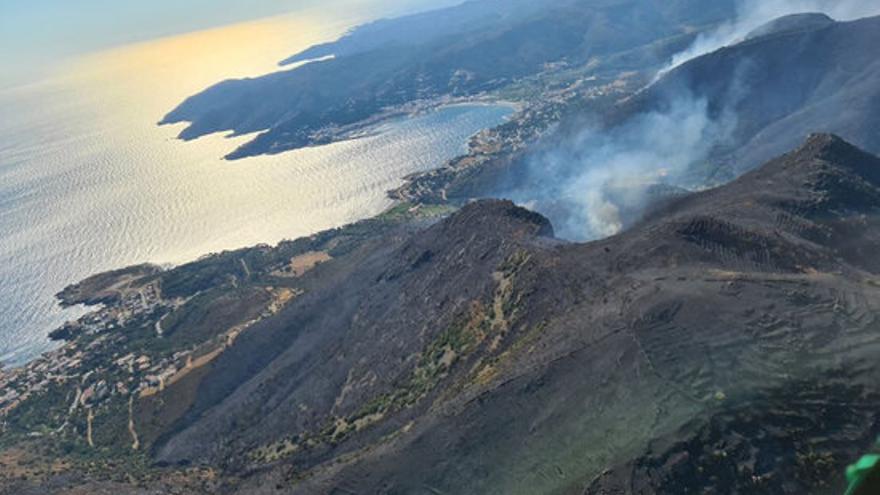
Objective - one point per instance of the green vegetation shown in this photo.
(43, 413)
(435, 363)
(44, 424)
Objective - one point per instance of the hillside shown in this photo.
(797, 75)
(727, 341)
(700, 125)
(738, 321)
(744, 104)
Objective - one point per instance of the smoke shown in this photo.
(752, 14)
(592, 183)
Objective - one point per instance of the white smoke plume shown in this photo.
(752, 14)
(588, 184)
(584, 184)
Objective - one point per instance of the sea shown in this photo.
(89, 182)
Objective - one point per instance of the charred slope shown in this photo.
(728, 342)
(808, 404)
(797, 75)
(737, 326)
(368, 327)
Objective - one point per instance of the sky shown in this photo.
(35, 35)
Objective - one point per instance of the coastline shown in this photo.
(154, 333)
(490, 147)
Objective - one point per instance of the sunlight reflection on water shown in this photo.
(88, 182)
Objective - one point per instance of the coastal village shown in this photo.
(96, 366)
(541, 103)
(65, 364)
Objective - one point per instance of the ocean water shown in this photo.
(89, 183)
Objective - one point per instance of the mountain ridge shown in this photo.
(779, 88)
(726, 342)
(682, 252)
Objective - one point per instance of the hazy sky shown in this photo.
(35, 34)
